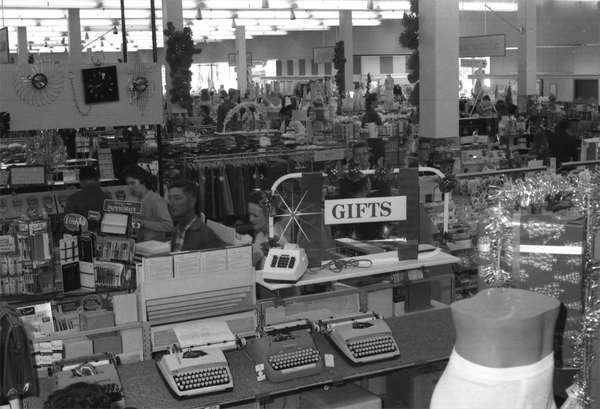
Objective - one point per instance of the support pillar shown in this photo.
(74, 32)
(438, 68)
(22, 51)
(346, 35)
(527, 54)
(172, 13)
(240, 59)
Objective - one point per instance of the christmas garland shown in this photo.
(496, 248)
(410, 39)
(339, 63)
(180, 52)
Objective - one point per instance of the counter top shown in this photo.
(381, 263)
(422, 337)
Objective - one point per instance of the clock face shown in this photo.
(100, 84)
(39, 81)
(140, 84)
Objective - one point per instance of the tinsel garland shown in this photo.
(180, 52)
(496, 247)
(246, 109)
(46, 148)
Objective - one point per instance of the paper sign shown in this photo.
(214, 262)
(203, 333)
(239, 258)
(158, 268)
(7, 244)
(376, 209)
(121, 206)
(187, 264)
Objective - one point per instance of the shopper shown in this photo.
(154, 217)
(82, 395)
(371, 116)
(562, 145)
(539, 147)
(226, 106)
(190, 233)
(260, 206)
(89, 201)
(205, 115)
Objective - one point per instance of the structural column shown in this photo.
(172, 13)
(240, 59)
(74, 31)
(527, 54)
(346, 34)
(22, 51)
(438, 68)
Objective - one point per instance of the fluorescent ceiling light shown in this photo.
(114, 14)
(33, 13)
(373, 22)
(480, 6)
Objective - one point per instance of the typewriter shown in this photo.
(99, 369)
(361, 338)
(287, 351)
(195, 370)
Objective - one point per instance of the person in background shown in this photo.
(226, 106)
(562, 145)
(285, 115)
(260, 207)
(190, 233)
(205, 115)
(89, 201)
(539, 147)
(361, 155)
(81, 395)
(462, 108)
(371, 116)
(154, 217)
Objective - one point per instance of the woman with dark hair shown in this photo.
(81, 395)
(154, 217)
(371, 102)
(205, 115)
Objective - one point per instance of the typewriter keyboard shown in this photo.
(201, 378)
(113, 390)
(298, 358)
(371, 346)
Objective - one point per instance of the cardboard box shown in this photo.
(548, 258)
(107, 342)
(96, 319)
(413, 386)
(125, 308)
(132, 340)
(76, 347)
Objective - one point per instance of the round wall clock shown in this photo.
(100, 84)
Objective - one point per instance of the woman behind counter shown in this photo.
(155, 218)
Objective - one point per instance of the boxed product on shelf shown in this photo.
(548, 258)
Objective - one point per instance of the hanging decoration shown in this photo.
(180, 55)
(410, 39)
(46, 148)
(339, 63)
(38, 84)
(496, 247)
(250, 113)
(140, 85)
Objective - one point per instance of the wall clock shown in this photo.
(38, 84)
(100, 84)
(140, 85)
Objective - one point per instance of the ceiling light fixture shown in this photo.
(199, 14)
(233, 25)
(87, 35)
(46, 43)
(30, 48)
(265, 4)
(63, 40)
(292, 14)
(370, 4)
(115, 31)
